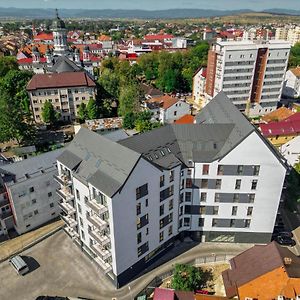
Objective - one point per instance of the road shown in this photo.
(60, 268)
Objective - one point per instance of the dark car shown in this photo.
(285, 234)
(285, 241)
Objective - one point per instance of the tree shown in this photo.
(129, 99)
(15, 116)
(92, 109)
(49, 115)
(82, 113)
(7, 63)
(129, 120)
(187, 278)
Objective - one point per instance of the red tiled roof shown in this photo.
(151, 37)
(289, 126)
(57, 80)
(278, 115)
(25, 60)
(165, 101)
(104, 37)
(43, 36)
(163, 294)
(186, 119)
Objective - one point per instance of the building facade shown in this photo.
(291, 87)
(127, 202)
(66, 91)
(251, 73)
(28, 193)
(199, 81)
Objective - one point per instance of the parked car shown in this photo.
(285, 241)
(19, 265)
(285, 234)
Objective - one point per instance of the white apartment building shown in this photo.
(251, 73)
(288, 33)
(126, 203)
(199, 81)
(28, 196)
(65, 90)
(291, 86)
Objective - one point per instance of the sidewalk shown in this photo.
(16, 245)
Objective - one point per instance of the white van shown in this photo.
(19, 265)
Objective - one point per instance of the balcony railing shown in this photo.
(97, 222)
(65, 194)
(6, 215)
(4, 202)
(97, 207)
(103, 253)
(70, 221)
(71, 232)
(63, 179)
(106, 267)
(66, 207)
(99, 237)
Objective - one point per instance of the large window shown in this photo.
(220, 170)
(203, 197)
(256, 170)
(204, 183)
(238, 183)
(254, 184)
(234, 210)
(205, 170)
(142, 191)
(162, 181)
(218, 183)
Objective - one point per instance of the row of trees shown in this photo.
(294, 59)
(16, 121)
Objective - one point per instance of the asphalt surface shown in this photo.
(59, 268)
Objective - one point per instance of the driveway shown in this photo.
(61, 269)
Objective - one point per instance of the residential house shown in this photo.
(291, 87)
(277, 115)
(264, 272)
(291, 151)
(128, 202)
(199, 81)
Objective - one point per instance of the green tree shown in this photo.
(129, 120)
(16, 121)
(92, 109)
(187, 278)
(129, 99)
(294, 59)
(49, 115)
(82, 112)
(7, 63)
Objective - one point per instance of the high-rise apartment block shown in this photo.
(251, 73)
(125, 203)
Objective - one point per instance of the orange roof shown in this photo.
(277, 115)
(104, 37)
(41, 47)
(186, 119)
(208, 297)
(296, 71)
(43, 36)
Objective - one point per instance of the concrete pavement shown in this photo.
(65, 271)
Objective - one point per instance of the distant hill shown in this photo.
(140, 14)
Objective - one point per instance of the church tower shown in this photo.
(60, 36)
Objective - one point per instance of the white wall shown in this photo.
(168, 116)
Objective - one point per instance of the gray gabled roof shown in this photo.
(64, 64)
(100, 161)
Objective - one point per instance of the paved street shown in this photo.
(62, 269)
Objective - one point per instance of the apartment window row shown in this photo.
(272, 83)
(234, 78)
(239, 63)
(238, 223)
(238, 170)
(232, 71)
(235, 210)
(161, 234)
(166, 220)
(231, 198)
(237, 85)
(269, 76)
(143, 249)
(142, 191)
(275, 69)
(142, 221)
(166, 193)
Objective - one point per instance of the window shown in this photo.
(182, 173)
(175, 113)
(162, 181)
(204, 183)
(161, 236)
(161, 224)
(146, 202)
(189, 172)
(142, 191)
(161, 210)
(236, 198)
(170, 219)
(31, 189)
(218, 183)
(234, 210)
(217, 197)
(82, 235)
(50, 194)
(181, 198)
(180, 210)
(188, 183)
(254, 185)
(33, 201)
(171, 176)
(182, 184)
(143, 249)
(80, 221)
(201, 222)
(247, 223)
(138, 209)
(139, 237)
(170, 230)
(51, 205)
(205, 169)
(170, 204)
(180, 223)
(36, 212)
(220, 170)
(240, 170)
(249, 211)
(77, 195)
(238, 184)
(186, 222)
(79, 209)
(214, 223)
(256, 170)
(203, 197)
(188, 196)
(251, 198)
(232, 222)
(202, 210)
(215, 210)
(147, 231)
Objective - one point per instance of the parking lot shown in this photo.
(57, 268)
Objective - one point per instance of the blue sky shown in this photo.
(154, 4)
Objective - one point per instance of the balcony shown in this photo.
(63, 179)
(4, 202)
(70, 221)
(106, 267)
(97, 222)
(97, 207)
(71, 232)
(66, 207)
(6, 215)
(99, 237)
(103, 253)
(65, 194)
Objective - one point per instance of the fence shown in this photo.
(158, 280)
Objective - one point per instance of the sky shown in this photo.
(154, 4)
